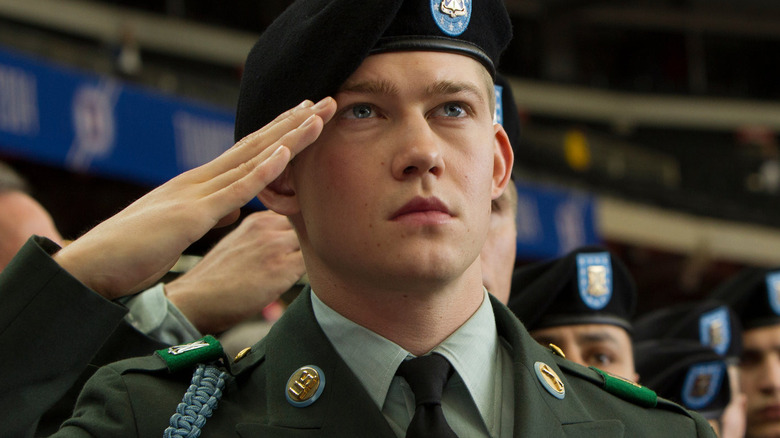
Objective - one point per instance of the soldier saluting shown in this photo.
(388, 184)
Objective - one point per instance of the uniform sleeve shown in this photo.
(51, 325)
(103, 409)
(703, 428)
(152, 314)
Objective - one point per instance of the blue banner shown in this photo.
(97, 124)
(90, 123)
(552, 222)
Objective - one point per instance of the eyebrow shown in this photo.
(387, 88)
(370, 87)
(761, 351)
(444, 88)
(593, 338)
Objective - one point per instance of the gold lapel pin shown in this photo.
(305, 386)
(550, 380)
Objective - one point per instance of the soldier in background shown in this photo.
(715, 327)
(583, 303)
(687, 373)
(754, 295)
(21, 216)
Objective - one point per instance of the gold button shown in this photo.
(557, 350)
(242, 353)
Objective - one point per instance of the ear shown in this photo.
(280, 195)
(503, 160)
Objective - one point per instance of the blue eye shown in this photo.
(453, 109)
(360, 111)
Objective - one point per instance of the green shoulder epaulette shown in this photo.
(206, 349)
(627, 389)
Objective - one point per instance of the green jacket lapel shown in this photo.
(537, 412)
(344, 409)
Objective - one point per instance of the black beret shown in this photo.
(685, 372)
(754, 294)
(315, 45)
(587, 286)
(711, 323)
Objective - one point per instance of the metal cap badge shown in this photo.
(305, 386)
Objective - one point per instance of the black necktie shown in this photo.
(427, 376)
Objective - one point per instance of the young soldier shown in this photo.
(582, 303)
(754, 294)
(688, 373)
(391, 204)
(20, 215)
(713, 325)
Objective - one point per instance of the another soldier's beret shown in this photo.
(315, 45)
(711, 323)
(587, 286)
(685, 372)
(754, 294)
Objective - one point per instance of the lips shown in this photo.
(769, 413)
(422, 206)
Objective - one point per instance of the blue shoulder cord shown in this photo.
(198, 403)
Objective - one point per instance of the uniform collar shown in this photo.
(471, 350)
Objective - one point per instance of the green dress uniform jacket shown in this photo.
(136, 397)
(53, 339)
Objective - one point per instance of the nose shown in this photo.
(771, 382)
(419, 151)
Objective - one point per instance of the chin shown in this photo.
(764, 431)
(428, 275)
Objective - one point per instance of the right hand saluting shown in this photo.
(134, 248)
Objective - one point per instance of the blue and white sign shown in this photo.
(702, 384)
(452, 16)
(594, 278)
(90, 123)
(553, 221)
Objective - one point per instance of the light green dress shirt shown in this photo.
(478, 400)
(151, 313)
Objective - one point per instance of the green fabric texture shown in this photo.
(626, 390)
(205, 349)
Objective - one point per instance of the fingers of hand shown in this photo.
(239, 185)
(263, 141)
(303, 125)
(236, 176)
(264, 220)
(294, 140)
